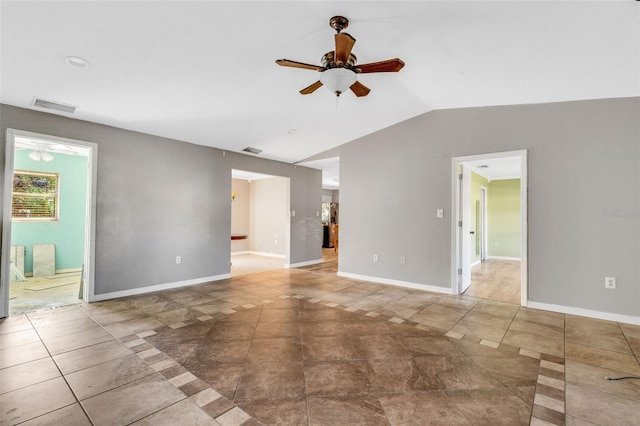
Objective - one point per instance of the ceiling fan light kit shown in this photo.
(37, 155)
(339, 71)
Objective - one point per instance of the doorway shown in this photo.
(260, 222)
(49, 224)
(489, 194)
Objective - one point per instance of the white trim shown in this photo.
(519, 259)
(397, 283)
(238, 253)
(608, 316)
(455, 208)
(299, 264)
(5, 276)
(90, 219)
(159, 287)
(476, 263)
(68, 270)
(259, 253)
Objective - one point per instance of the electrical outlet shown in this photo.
(609, 282)
(375, 257)
(178, 260)
(403, 260)
(497, 244)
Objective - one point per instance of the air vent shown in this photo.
(250, 150)
(56, 106)
(483, 166)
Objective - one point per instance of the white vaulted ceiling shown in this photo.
(204, 72)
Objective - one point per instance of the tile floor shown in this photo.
(303, 346)
(44, 292)
(496, 279)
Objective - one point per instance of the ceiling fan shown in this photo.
(339, 70)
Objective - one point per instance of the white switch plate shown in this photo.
(440, 213)
(403, 260)
(178, 260)
(375, 257)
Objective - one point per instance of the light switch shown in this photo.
(440, 213)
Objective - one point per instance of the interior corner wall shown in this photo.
(240, 208)
(159, 198)
(583, 197)
(268, 215)
(504, 218)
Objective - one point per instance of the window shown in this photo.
(35, 196)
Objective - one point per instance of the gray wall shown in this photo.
(584, 197)
(158, 198)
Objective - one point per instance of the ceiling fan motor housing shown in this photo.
(328, 61)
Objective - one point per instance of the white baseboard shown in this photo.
(158, 287)
(259, 253)
(299, 264)
(396, 283)
(476, 263)
(627, 319)
(505, 258)
(68, 270)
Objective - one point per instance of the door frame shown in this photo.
(461, 213)
(90, 213)
(483, 223)
(287, 215)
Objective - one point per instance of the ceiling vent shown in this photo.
(254, 151)
(56, 106)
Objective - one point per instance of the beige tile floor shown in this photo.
(496, 279)
(44, 292)
(304, 346)
(245, 264)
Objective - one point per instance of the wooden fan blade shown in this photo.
(344, 44)
(390, 65)
(312, 88)
(294, 64)
(359, 89)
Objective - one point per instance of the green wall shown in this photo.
(477, 182)
(68, 232)
(503, 218)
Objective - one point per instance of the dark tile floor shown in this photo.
(307, 347)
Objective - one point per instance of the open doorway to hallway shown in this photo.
(491, 231)
(260, 222)
(48, 232)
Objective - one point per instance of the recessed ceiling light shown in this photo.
(292, 131)
(76, 62)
